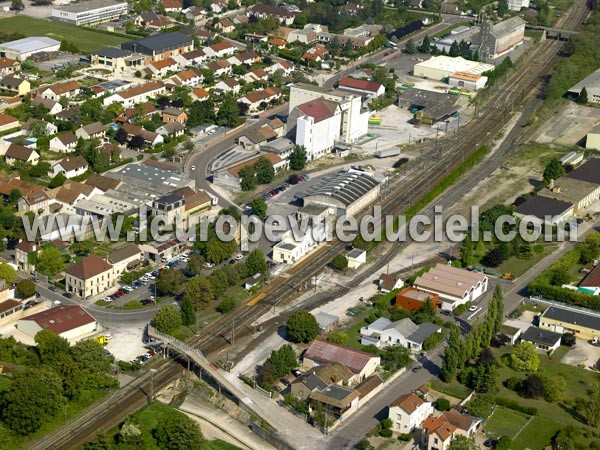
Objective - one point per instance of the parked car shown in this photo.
(238, 257)
(209, 265)
(29, 304)
(68, 295)
(473, 308)
(146, 301)
(52, 288)
(416, 369)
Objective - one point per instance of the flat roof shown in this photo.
(540, 207)
(589, 171)
(569, 190)
(29, 44)
(587, 320)
(88, 6)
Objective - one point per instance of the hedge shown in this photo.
(515, 406)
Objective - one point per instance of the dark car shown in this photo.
(52, 288)
(68, 295)
(416, 369)
(490, 443)
(285, 381)
(29, 304)
(147, 301)
(295, 179)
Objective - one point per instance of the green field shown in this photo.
(505, 422)
(85, 40)
(538, 431)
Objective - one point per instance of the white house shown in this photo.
(408, 412)
(454, 286)
(290, 250)
(91, 131)
(70, 166)
(543, 339)
(63, 143)
(57, 91)
(138, 94)
(405, 332)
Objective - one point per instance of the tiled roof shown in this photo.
(319, 109)
(363, 85)
(5, 119)
(62, 318)
(101, 182)
(327, 352)
(67, 138)
(125, 252)
(73, 162)
(408, 402)
(142, 89)
(88, 267)
(62, 88)
(19, 152)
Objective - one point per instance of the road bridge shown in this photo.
(551, 33)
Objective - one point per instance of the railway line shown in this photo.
(442, 157)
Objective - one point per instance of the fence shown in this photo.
(270, 437)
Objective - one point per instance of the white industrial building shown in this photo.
(454, 286)
(318, 119)
(442, 67)
(517, 5)
(470, 81)
(22, 49)
(292, 248)
(92, 11)
(591, 84)
(71, 322)
(495, 40)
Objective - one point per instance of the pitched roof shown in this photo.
(581, 318)
(27, 246)
(11, 81)
(141, 89)
(5, 119)
(369, 385)
(540, 206)
(200, 93)
(170, 110)
(363, 85)
(263, 94)
(19, 152)
(62, 318)
(93, 128)
(167, 62)
(125, 252)
(9, 304)
(461, 421)
(67, 138)
(387, 281)
(45, 102)
(62, 88)
(541, 336)
(440, 426)
(327, 352)
(408, 402)
(319, 109)
(66, 195)
(7, 62)
(449, 280)
(88, 267)
(102, 182)
(172, 4)
(220, 46)
(72, 163)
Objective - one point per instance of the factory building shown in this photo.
(442, 67)
(346, 193)
(582, 323)
(22, 49)
(496, 40)
(591, 84)
(90, 12)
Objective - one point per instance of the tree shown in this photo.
(169, 282)
(227, 305)
(461, 442)
(524, 357)
(442, 404)
(200, 291)
(50, 346)
(493, 258)
(553, 170)
(259, 207)
(451, 355)
(121, 136)
(17, 5)
(582, 98)
(554, 388)
(35, 395)
(265, 173)
(338, 337)
(454, 49)
(25, 288)
(410, 47)
(425, 45)
(57, 181)
(137, 142)
(340, 262)
(256, 263)
(90, 355)
(229, 112)
(282, 360)
(247, 178)
(178, 432)
(100, 442)
(7, 273)
(50, 261)
(568, 339)
(167, 319)
(504, 443)
(589, 407)
(302, 327)
(298, 157)
(187, 311)
(502, 8)
(14, 196)
(532, 386)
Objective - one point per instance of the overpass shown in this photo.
(196, 357)
(559, 32)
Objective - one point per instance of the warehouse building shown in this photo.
(469, 81)
(347, 192)
(71, 322)
(496, 40)
(544, 210)
(591, 84)
(428, 107)
(161, 46)
(442, 67)
(583, 324)
(580, 193)
(90, 12)
(22, 49)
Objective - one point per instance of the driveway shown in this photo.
(582, 354)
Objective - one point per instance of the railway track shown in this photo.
(443, 157)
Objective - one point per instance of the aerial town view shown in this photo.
(300, 225)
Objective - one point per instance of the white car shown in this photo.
(193, 167)
(209, 265)
(108, 299)
(473, 308)
(238, 256)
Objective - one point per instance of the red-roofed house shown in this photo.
(172, 5)
(89, 276)
(322, 352)
(437, 433)
(315, 54)
(371, 89)
(220, 49)
(255, 99)
(68, 321)
(225, 26)
(408, 412)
